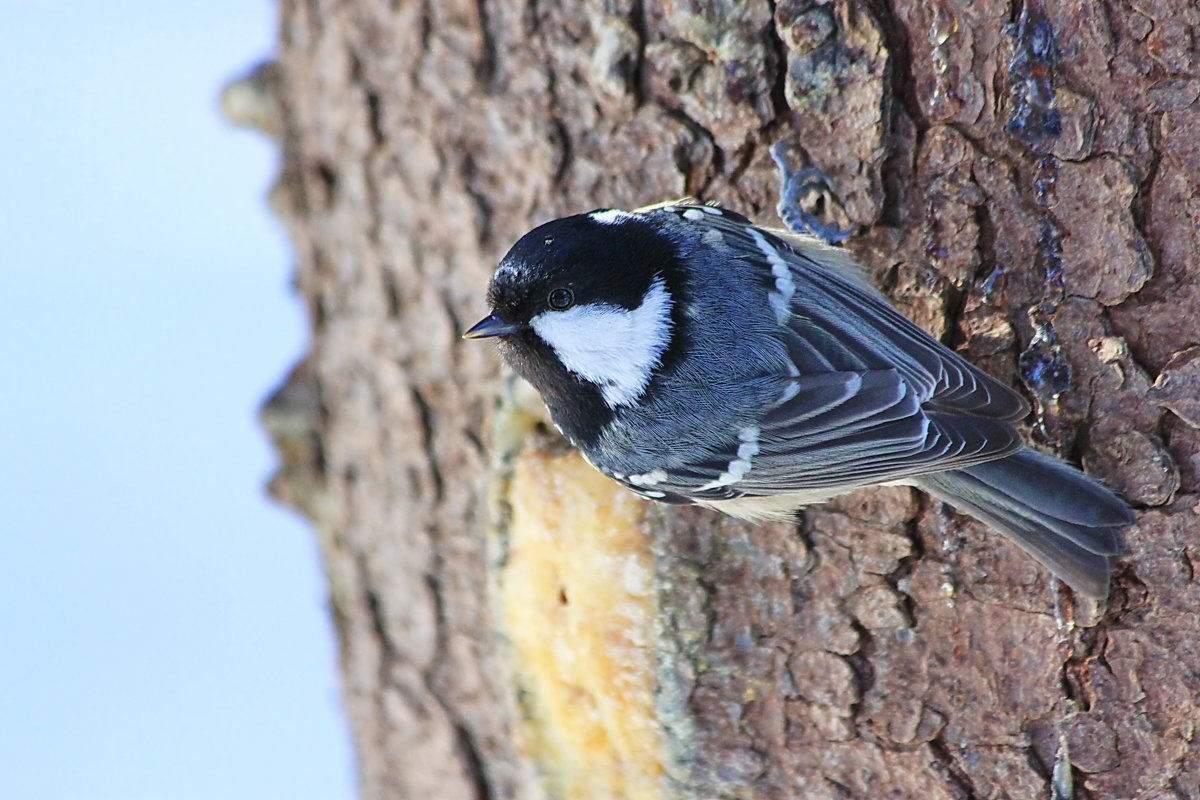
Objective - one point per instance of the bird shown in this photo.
(696, 357)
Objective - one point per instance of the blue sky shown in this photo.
(164, 625)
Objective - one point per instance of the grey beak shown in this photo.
(491, 326)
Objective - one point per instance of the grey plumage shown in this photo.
(782, 378)
(1058, 515)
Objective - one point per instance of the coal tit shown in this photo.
(695, 357)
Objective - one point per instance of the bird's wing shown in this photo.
(875, 398)
(841, 322)
(834, 431)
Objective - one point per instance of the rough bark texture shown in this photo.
(1022, 177)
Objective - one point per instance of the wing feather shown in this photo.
(846, 323)
(876, 398)
(864, 428)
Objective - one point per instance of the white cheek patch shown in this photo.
(613, 347)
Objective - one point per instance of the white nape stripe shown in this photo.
(612, 216)
(785, 286)
(740, 466)
(613, 347)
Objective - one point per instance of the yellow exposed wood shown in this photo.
(577, 598)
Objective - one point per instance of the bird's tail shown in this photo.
(1061, 517)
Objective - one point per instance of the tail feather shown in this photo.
(1061, 517)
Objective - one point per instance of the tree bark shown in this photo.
(1021, 179)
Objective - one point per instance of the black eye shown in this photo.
(560, 299)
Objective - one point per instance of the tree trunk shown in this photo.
(1021, 179)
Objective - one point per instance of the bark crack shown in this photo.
(958, 782)
(429, 445)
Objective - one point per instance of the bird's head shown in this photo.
(583, 309)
